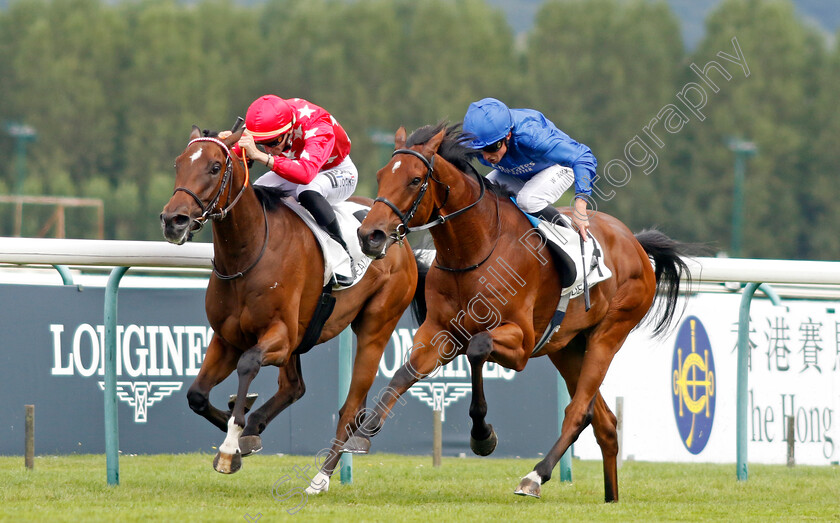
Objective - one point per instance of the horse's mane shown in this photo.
(454, 150)
(270, 196)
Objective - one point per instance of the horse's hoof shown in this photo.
(227, 463)
(484, 447)
(356, 445)
(528, 487)
(249, 445)
(250, 398)
(319, 484)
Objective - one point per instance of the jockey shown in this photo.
(532, 158)
(307, 153)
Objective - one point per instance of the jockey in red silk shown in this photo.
(532, 158)
(307, 152)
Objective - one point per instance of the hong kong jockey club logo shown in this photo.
(143, 394)
(693, 385)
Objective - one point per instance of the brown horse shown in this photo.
(490, 296)
(266, 285)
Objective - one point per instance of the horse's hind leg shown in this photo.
(584, 372)
(219, 362)
(604, 425)
(290, 389)
(569, 362)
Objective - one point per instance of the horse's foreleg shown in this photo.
(219, 362)
(372, 335)
(229, 458)
(504, 344)
(423, 360)
(290, 389)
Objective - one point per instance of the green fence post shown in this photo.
(112, 433)
(345, 372)
(742, 388)
(563, 401)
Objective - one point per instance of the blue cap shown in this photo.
(488, 120)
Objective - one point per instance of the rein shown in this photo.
(399, 235)
(207, 210)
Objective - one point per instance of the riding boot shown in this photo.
(324, 215)
(550, 214)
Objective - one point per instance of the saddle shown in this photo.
(337, 264)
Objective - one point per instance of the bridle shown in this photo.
(403, 229)
(207, 209)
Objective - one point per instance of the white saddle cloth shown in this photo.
(568, 239)
(336, 261)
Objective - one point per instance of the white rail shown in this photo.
(111, 253)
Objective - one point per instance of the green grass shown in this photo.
(398, 488)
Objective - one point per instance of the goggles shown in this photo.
(493, 147)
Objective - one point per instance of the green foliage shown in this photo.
(112, 89)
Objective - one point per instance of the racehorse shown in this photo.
(265, 290)
(490, 294)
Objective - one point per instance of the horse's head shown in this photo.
(203, 179)
(403, 182)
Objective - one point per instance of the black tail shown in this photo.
(670, 271)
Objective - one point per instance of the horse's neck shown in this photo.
(466, 239)
(239, 236)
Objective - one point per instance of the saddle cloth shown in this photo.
(336, 261)
(565, 242)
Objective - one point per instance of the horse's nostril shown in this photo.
(180, 220)
(377, 237)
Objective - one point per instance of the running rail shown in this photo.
(124, 254)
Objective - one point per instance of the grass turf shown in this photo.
(386, 487)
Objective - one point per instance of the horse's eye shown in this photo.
(216, 169)
(415, 181)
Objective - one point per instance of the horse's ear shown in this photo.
(432, 145)
(399, 138)
(196, 133)
(232, 139)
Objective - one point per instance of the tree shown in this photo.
(765, 97)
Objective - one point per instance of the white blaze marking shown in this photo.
(396, 166)
(196, 155)
(231, 443)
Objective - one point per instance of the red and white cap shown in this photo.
(268, 117)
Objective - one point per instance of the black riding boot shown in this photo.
(551, 215)
(322, 211)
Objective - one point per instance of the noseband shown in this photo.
(406, 217)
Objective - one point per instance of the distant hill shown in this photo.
(824, 14)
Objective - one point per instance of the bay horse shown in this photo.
(268, 278)
(490, 295)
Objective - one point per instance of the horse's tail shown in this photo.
(670, 270)
(423, 258)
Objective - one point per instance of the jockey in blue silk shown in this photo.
(532, 157)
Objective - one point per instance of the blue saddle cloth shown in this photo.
(533, 219)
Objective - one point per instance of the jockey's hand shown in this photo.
(580, 218)
(246, 142)
(223, 134)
